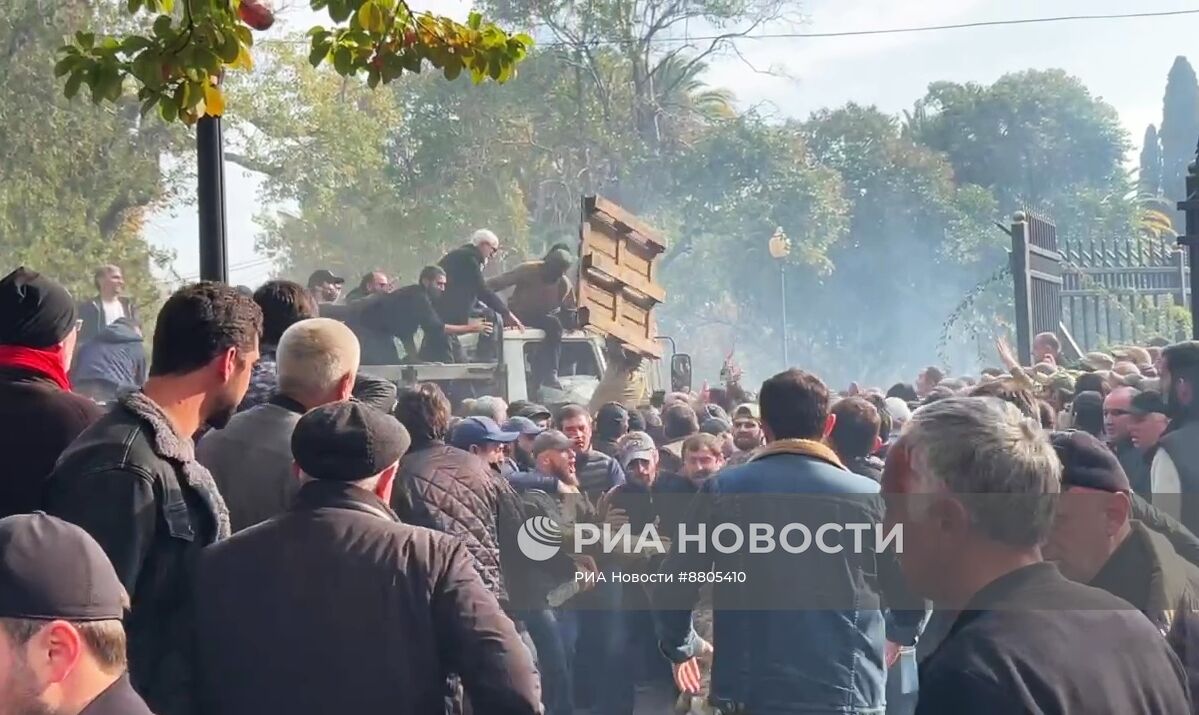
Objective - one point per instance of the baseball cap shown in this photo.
(479, 430)
(1087, 462)
(324, 276)
(35, 311)
(347, 441)
(1148, 402)
(52, 569)
(636, 445)
(552, 439)
(747, 410)
(531, 410)
(522, 426)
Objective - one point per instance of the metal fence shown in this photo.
(1037, 271)
(1120, 291)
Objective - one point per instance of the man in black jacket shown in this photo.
(973, 483)
(394, 611)
(39, 415)
(453, 491)
(131, 480)
(465, 286)
(1095, 541)
(1174, 474)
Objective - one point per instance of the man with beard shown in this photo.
(1174, 474)
(62, 645)
(520, 453)
(325, 287)
(747, 432)
(381, 319)
(132, 481)
(542, 298)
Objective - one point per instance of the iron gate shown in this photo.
(1037, 271)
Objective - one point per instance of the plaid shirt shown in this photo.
(264, 378)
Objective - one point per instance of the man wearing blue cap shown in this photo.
(482, 437)
(520, 453)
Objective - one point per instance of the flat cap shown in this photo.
(1087, 462)
(51, 569)
(347, 441)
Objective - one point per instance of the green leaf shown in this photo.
(244, 35)
(318, 5)
(134, 6)
(342, 60)
(168, 110)
(229, 49)
(168, 6)
(339, 10)
(136, 43)
(370, 16)
(73, 82)
(86, 40)
(162, 27)
(452, 70)
(319, 53)
(65, 65)
(373, 77)
(475, 20)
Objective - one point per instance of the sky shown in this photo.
(1123, 61)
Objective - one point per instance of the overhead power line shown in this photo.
(869, 32)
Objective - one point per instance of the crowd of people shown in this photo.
(256, 526)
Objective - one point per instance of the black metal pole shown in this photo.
(1191, 239)
(210, 190)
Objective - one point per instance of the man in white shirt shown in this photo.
(108, 306)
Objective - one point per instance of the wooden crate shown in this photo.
(617, 275)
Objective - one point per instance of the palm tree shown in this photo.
(682, 100)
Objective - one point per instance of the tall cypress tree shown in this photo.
(1180, 129)
(1149, 178)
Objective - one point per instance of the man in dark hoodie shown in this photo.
(1096, 541)
(115, 361)
(611, 423)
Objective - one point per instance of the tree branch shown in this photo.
(252, 164)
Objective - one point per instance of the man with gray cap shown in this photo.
(39, 415)
(62, 645)
(337, 607)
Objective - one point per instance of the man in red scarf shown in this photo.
(39, 415)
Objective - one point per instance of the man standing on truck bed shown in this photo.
(542, 298)
(464, 287)
(381, 318)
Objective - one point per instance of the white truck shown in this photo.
(616, 290)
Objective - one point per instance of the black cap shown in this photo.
(50, 569)
(35, 312)
(1148, 402)
(531, 410)
(347, 441)
(612, 420)
(1181, 356)
(1087, 462)
(324, 276)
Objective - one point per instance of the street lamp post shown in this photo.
(780, 248)
(1191, 240)
(210, 204)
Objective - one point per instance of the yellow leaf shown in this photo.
(370, 16)
(243, 61)
(214, 101)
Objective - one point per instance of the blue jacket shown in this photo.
(115, 358)
(804, 632)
